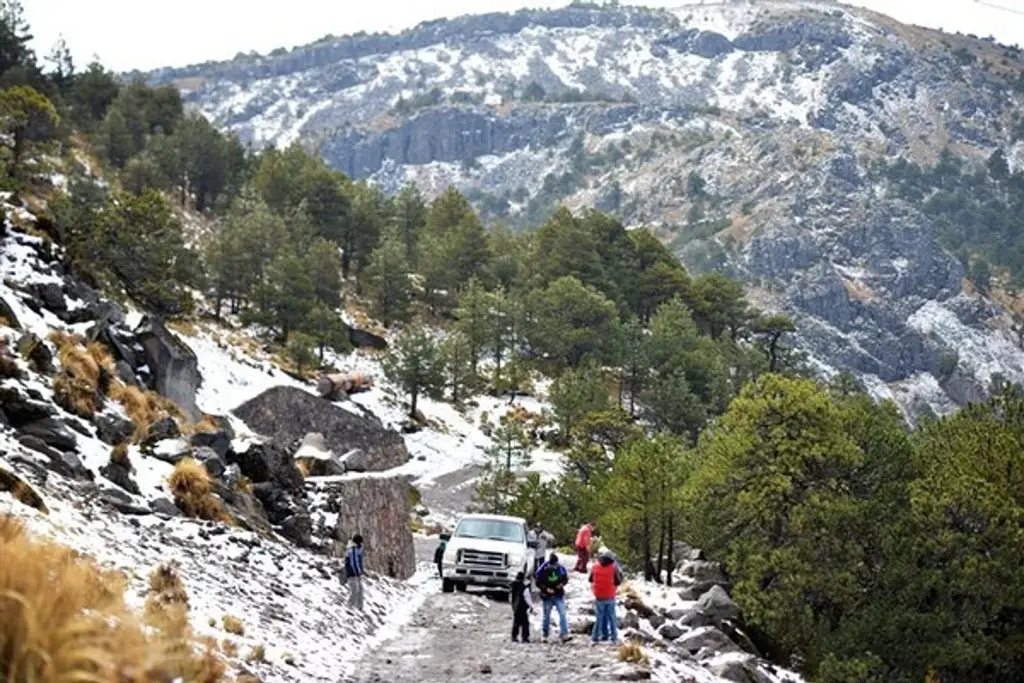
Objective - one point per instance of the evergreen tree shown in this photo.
(326, 329)
(770, 332)
(300, 350)
(570, 320)
(414, 365)
(325, 270)
(93, 91)
(509, 451)
(461, 378)
(576, 392)
(387, 278)
(563, 247)
(63, 73)
(29, 118)
(474, 319)
(409, 219)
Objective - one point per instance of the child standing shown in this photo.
(439, 555)
(522, 604)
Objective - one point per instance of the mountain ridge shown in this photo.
(750, 135)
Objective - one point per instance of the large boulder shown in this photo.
(268, 463)
(708, 640)
(364, 339)
(378, 508)
(287, 414)
(739, 668)
(173, 364)
(718, 606)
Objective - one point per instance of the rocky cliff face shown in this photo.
(744, 131)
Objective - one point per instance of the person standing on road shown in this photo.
(544, 541)
(605, 579)
(439, 556)
(354, 571)
(583, 537)
(551, 581)
(522, 605)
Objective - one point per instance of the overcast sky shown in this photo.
(180, 32)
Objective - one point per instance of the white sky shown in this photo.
(180, 32)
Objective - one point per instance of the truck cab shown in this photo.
(486, 550)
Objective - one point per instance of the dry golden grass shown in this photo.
(64, 619)
(243, 484)
(247, 678)
(258, 653)
(85, 376)
(229, 647)
(8, 366)
(21, 490)
(633, 653)
(166, 588)
(233, 625)
(192, 489)
(304, 465)
(141, 407)
(119, 456)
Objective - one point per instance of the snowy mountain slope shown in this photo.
(744, 132)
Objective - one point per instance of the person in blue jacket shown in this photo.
(551, 581)
(354, 571)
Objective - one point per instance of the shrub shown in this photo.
(119, 456)
(258, 653)
(144, 407)
(229, 647)
(633, 653)
(233, 625)
(166, 588)
(192, 489)
(62, 618)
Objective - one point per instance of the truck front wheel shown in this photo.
(447, 586)
(461, 587)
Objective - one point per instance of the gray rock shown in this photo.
(7, 313)
(694, 619)
(656, 619)
(164, 506)
(717, 605)
(670, 631)
(219, 440)
(113, 430)
(122, 502)
(20, 409)
(582, 626)
(120, 476)
(125, 373)
(38, 354)
(355, 461)
(162, 429)
(629, 620)
(268, 462)
(298, 528)
(702, 571)
(287, 414)
(630, 672)
(53, 433)
(695, 590)
(708, 638)
(739, 669)
(209, 458)
(171, 451)
(174, 365)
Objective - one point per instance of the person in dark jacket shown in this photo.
(354, 571)
(551, 581)
(605, 579)
(522, 605)
(439, 555)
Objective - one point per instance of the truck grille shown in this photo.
(482, 558)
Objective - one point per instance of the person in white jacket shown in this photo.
(544, 541)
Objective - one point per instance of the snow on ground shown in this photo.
(290, 601)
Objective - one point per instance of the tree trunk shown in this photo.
(671, 543)
(414, 394)
(647, 548)
(661, 553)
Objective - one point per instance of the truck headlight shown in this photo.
(449, 556)
(515, 560)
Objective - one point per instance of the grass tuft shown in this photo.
(192, 489)
(229, 647)
(63, 618)
(258, 653)
(233, 625)
(633, 653)
(166, 588)
(119, 457)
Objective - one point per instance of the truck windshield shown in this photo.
(493, 529)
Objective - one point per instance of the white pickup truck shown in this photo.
(486, 550)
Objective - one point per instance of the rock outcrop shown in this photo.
(287, 414)
(173, 365)
(378, 508)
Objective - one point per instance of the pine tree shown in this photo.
(325, 270)
(300, 350)
(570, 321)
(387, 281)
(29, 118)
(474, 319)
(63, 73)
(326, 329)
(509, 451)
(461, 378)
(409, 218)
(414, 365)
(576, 392)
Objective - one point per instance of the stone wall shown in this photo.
(378, 508)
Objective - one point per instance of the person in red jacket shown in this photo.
(605, 579)
(583, 547)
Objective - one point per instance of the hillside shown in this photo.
(748, 133)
